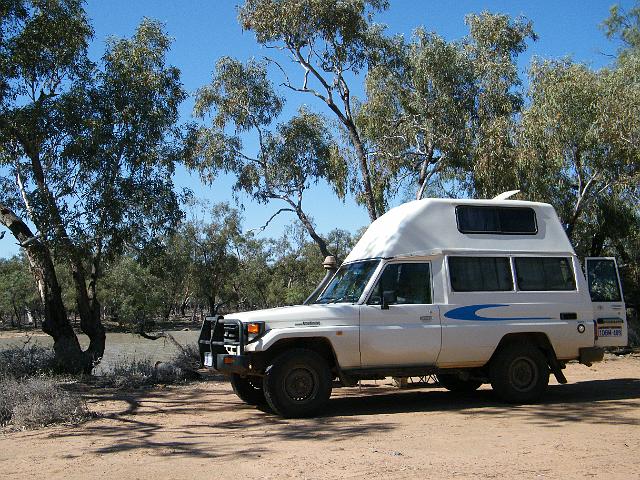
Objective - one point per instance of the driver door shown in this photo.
(406, 330)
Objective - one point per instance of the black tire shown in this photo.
(519, 373)
(454, 383)
(249, 389)
(297, 383)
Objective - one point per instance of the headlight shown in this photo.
(253, 330)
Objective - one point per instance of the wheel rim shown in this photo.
(523, 374)
(254, 383)
(301, 384)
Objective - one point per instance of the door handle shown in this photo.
(426, 318)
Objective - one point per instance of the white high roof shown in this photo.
(426, 226)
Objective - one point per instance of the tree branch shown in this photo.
(263, 227)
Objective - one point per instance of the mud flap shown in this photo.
(555, 367)
(589, 355)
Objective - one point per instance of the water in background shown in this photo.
(119, 346)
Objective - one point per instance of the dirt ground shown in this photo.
(587, 428)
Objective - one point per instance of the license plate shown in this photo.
(208, 359)
(610, 332)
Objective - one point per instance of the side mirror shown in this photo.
(388, 297)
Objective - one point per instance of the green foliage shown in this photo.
(493, 45)
(242, 96)
(214, 255)
(91, 148)
(570, 133)
(17, 290)
(418, 112)
(341, 29)
(131, 292)
(330, 40)
(625, 26)
(290, 157)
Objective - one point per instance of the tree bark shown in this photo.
(312, 232)
(86, 300)
(364, 168)
(69, 354)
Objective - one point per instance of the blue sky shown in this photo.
(203, 31)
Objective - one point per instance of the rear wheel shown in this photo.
(297, 383)
(249, 389)
(519, 373)
(454, 383)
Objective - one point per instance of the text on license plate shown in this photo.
(610, 332)
(208, 359)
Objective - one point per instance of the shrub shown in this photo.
(187, 358)
(26, 361)
(134, 373)
(37, 402)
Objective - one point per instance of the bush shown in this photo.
(37, 402)
(187, 358)
(135, 373)
(26, 361)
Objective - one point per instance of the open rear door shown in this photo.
(608, 303)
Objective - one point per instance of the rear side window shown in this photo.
(544, 274)
(480, 274)
(602, 276)
(503, 220)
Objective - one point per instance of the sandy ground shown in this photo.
(589, 428)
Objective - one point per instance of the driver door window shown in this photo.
(403, 284)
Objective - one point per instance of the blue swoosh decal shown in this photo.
(470, 313)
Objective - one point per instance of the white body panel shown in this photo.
(424, 226)
(404, 335)
(339, 323)
(458, 329)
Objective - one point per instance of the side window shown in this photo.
(480, 274)
(500, 220)
(409, 282)
(544, 273)
(603, 280)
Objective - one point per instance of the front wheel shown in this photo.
(519, 373)
(454, 383)
(297, 383)
(249, 389)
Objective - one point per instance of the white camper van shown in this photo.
(473, 291)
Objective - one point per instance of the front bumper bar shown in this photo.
(229, 364)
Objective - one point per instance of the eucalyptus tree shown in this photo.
(624, 25)
(87, 152)
(574, 147)
(289, 156)
(331, 41)
(419, 110)
(493, 45)
(18, 295)
(215, 259)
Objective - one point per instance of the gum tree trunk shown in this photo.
(69, 354)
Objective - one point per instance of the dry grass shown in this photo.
(37, 402)
(26, 361)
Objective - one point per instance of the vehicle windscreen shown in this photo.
(348, 283)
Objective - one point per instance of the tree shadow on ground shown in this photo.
(209, 421)
(205, 421)
(614, 401)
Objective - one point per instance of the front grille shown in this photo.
(231, 333)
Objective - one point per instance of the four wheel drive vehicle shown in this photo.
(474, 291)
